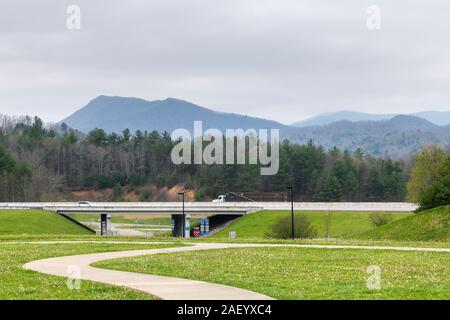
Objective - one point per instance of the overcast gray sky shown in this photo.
(278, 59)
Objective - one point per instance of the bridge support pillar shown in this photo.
(178, 224)
(187, 226)
(105, 224)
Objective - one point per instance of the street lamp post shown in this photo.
(292, 212)
(184, 218)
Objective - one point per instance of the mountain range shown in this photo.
(439, 118)
(378, 135)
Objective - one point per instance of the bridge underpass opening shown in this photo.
(182, 227)
(215, 221)
(106, 225)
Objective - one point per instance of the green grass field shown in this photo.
(28, 222)
(283, 273)
(298, 273)
(18, 283)
(428, 225)
(343, 224)
(352, 242)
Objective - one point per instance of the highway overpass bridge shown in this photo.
(182, 217)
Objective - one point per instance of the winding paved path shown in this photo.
(170, 288)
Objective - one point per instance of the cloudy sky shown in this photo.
(279, 59)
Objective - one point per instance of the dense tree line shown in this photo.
(50, 159)
(14, 176)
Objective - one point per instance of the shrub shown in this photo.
(136, 180)
(189, 184)
(199, 194)
(171, 181)
(97, 180)
(380, 219)
(146, 195)
(117, 178)
(160, 181)
(303, 228)
(116, 192)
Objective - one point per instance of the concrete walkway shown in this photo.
(170, 288)
(167, 288)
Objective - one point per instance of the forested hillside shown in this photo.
(396, 136)
(440, 118)
(37, 163)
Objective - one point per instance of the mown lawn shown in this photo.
(29, 222)
(298, 273)
(342, 224)
(353, 242)
(18, 283)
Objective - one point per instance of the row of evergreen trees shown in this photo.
(51, 160)
(14, 176)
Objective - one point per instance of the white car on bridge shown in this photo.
(84, 204)
(221, 198)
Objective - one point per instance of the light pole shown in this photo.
(292, 211)
(184, 218)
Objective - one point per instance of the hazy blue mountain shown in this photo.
(441, 118)
(330, 117)
(399, 136)
(395, 136)
(437, 117)
(118, 113)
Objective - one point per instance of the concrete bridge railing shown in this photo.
(210, 207)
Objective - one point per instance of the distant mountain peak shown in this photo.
(402, 117)
(113, 113)
(170, 99)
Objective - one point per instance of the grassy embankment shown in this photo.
(429, 225)
(30, 222)
(341, 224)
